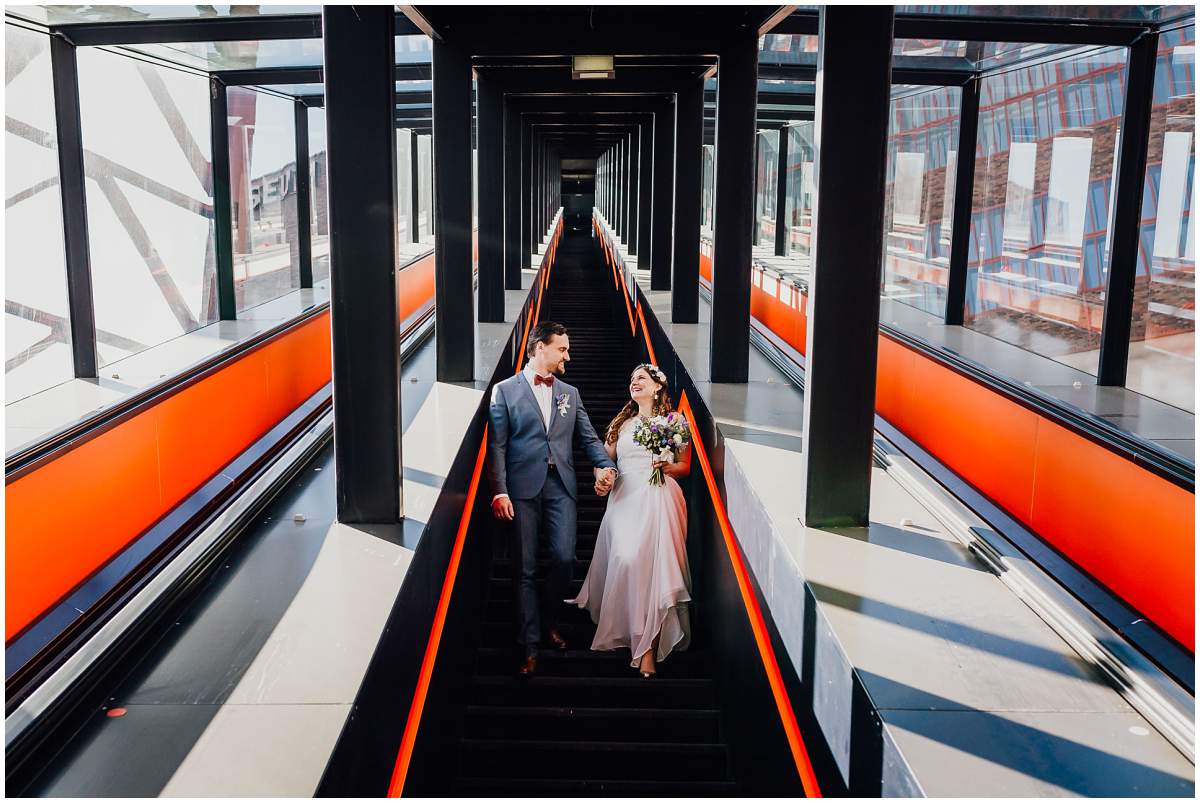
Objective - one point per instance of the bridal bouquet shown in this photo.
(664, 436)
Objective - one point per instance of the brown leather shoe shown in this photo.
(528, 667)
(557, 640)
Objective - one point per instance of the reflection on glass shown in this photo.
(919, 197)
(1040, 220)
(404, 185)
(801, 192)
(147, 157)
(1162, 350)
(425, 187)
(262, 181)
(766, 187)
(37, 352)
(706, 193)
(318, 176)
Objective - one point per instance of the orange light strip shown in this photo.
(646, 335)
(400, 772)
(808, 777)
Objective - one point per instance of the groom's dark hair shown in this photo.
(543, 332)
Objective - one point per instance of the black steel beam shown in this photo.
(843, 295)
(689, 166)
(208, 29)
(492, 199)
(222, 199)
(737, 84)
(1127, 212)
(964, 193)
(664, 196)
(303, 197)
(526, 196)
(452, 112)
(421, 71)
(973, 28)
(359, 52)
(312, 101)
(205, 29)
(781, 178)
(73, 196)
(264, 76)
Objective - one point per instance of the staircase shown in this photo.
(587, 722)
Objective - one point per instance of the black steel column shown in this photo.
(303, 197)
(527, 224)
(623, 189)
(222, 200)
(414, 182)
(646, 191)
(689, 167)
(453, 294)
(853, 97)
(72, 194)
(964, 192)
(635, 190)
(781, 228)
(737, 98)
(490, 171)
(360, 107)
(1127, 212)
(512, 198)
(664, 196)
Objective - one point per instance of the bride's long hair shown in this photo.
(661, 406)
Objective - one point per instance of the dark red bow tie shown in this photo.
(548, 381)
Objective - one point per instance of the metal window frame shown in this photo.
(964, 194)
(73, 198)
(303, 196)
(209, 29)
(222, 198)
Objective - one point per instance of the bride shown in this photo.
(637, 585)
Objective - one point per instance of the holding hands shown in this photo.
(605, 477)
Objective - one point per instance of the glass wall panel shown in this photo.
(37, 352)
(1041, 213)
(801, 192)
(262, 181)
(919, 197)
(403, 184)
(425, 186)
(318, 177)
(706, 197)
(147, 155)
(766, 188)
(1162, 351)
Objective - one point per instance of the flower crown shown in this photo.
(655, 372)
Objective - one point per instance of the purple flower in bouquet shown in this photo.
(664, 436)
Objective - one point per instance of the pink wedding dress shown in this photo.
(638, 582)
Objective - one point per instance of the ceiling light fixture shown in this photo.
(584, 67)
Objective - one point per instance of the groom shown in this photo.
(534, 419)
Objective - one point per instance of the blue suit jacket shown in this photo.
(520, 446)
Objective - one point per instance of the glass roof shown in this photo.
(1070, 12)
(245, 55)
(68, 15)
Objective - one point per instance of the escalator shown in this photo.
(587, 723)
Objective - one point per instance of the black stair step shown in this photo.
(543, 787)
(581, 661)
(501, 610)
(592, 692)
(593, 760)
(502, 589)
(592, 724)
(502, 632)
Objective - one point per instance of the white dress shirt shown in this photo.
(543, 395)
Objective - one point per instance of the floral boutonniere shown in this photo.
(564, 403)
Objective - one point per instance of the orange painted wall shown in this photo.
(67, 518)
(1129, 528)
